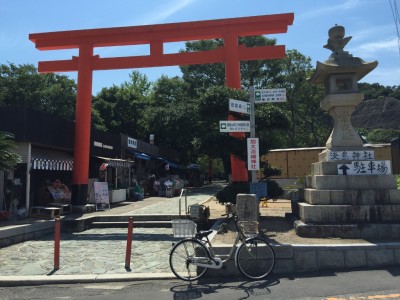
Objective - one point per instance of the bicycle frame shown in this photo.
(216, 261)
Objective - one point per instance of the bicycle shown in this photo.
(191, 257)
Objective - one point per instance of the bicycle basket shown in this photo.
(183, 228)
(249, 228)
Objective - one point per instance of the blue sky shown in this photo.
(369, 22)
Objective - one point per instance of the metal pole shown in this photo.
(57, 244)
(129, 244)
(252, 125)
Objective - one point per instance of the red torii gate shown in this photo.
(155, 35)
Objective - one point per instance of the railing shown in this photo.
(180, 200)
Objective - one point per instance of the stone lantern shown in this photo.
(349, 194)
(340, 74)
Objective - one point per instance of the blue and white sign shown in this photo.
(132, 143)
(239, 106)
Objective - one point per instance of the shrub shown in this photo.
(229, 193)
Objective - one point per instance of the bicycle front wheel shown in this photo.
(181, 259)
(255, 258)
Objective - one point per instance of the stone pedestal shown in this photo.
(349, 206)
(247, 207)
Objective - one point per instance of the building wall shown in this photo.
(296, 163)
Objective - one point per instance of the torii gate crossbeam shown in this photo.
(155, 35)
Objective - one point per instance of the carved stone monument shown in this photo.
(349, 194)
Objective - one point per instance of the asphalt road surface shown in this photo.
(354, 285)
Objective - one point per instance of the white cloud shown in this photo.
(375, 48)
(345, 5)
(383, 76)
(165, 11)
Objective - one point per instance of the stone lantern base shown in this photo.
(353, 206)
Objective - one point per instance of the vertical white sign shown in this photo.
(253, 154)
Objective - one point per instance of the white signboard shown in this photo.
(269, 95)
(239, 106)
(366, 167)
(351, 155)
(234, 126)
(253, 154)
(132, 143)
(101, 195)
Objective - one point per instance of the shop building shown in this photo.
(45, 144)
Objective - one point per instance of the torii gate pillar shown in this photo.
(155, 35)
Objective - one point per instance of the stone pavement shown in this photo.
(99, 253)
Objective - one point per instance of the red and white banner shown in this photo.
(253, 154)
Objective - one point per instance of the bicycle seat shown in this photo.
(203, 233)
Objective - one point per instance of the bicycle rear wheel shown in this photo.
(180, 259)
(255, 258)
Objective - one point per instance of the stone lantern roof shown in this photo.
(340, 61)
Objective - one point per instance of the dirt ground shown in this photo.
(272, 222)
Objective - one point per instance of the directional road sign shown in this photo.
(239, 106)
(269, 95)
(234, 126)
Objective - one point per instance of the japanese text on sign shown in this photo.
(234, 126)
(351, 155)
(253, 157)
(269, 95)
(239, 106)
(368, 167)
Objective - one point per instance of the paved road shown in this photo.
(97, 252)
(354, 285)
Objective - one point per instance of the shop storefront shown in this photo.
(106, 166)
(156, 167)
(46, 153)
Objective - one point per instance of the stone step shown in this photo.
(138, 224)
(372, 231)
(345, 214)
(352, 197)
(125, 218)
(351, 182)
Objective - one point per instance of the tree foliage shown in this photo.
(184, 113)
(22, 86)
(8, 157)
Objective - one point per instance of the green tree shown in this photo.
(120, 109)
(202, 77)
(22, 86)
(309, 124)
(376, 90)
(8, 158)
(380, 135)
(173, 116)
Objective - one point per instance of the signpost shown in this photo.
(239, 106)
(269, 95)
(255, 96)
(234, 126)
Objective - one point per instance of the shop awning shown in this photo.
(116, 162)
(142, 156)
(53, 160)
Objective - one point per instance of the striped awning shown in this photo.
(116, 162)
(53, 160)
